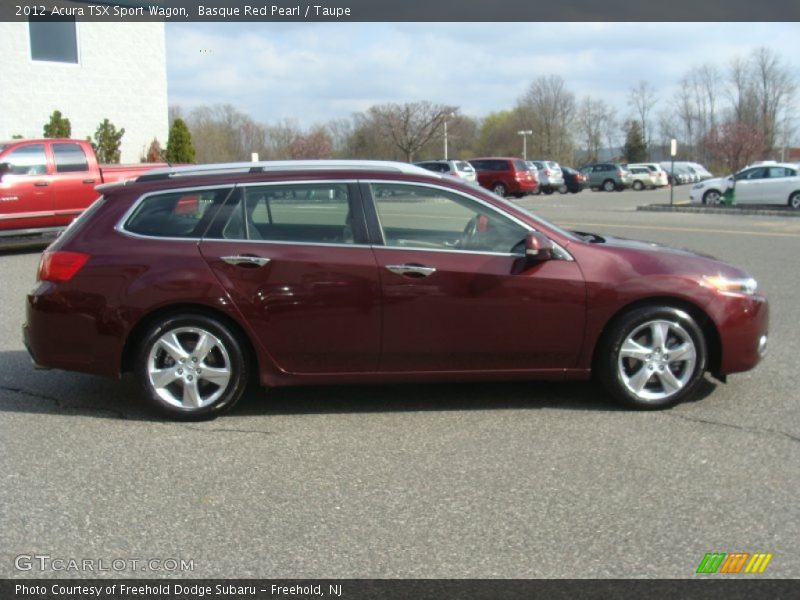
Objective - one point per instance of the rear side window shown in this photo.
(70, 158)
(178, 214)
(520, 165)
(464, 166)
(302, 213)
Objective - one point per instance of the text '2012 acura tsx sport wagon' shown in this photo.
(200, 279)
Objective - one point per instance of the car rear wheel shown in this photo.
(499, 189)
(711, 197)
(794, 200)
(609, 185)
(652, 358)
(638, 185)
(191, 367)
(548, 190)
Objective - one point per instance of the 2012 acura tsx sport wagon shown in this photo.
(200, 279)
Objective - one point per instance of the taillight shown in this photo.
(60, 266)
(547, 172)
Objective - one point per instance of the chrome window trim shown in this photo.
(120, 226)
(564, 255)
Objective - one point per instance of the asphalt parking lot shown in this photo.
(495, 480)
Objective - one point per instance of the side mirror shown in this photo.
(538, 247)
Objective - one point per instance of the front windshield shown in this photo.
(549, 224)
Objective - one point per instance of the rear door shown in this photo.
(293, 258)
(74, 181)
(457, 295)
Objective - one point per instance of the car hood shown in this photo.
(651, 257)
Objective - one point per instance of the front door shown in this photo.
(457, 295)
(26, 195)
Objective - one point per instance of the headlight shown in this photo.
(736, 285)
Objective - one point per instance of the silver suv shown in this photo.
(551, 177)
(455, 168)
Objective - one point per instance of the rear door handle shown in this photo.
(245, 260)
(41, 184)
(411, 270)
(88, 181)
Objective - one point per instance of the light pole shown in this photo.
(452, 114)
(525, 133)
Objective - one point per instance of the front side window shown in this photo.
(27, 160)
(70, 158)
(421, 217)
(53, 40)
(180, 214)
(302, 213)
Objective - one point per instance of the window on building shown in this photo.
(53, 40)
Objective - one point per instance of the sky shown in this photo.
(313, 72)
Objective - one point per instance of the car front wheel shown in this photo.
(191, 367)
(711, 197)
(652, 358)
(638, 185)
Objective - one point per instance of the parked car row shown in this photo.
(511, 176)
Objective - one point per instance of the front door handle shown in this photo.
(41, 184)
(88, 181)
(412, 270)
(245, 260)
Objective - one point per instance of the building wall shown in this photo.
(121, 75)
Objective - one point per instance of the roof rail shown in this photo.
(283, 165)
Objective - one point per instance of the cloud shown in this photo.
(319, 71)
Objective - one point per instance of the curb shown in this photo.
(720, 210)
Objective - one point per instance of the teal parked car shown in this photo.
(607, 176)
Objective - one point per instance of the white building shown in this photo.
(90, 72)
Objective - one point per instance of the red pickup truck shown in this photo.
(45, 184)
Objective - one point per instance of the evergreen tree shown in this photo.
(58, 127)
(107, 142)
(179, 144)
(635, 148)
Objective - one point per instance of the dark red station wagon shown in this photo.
(197, 279)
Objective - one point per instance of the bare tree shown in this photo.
(642, 99)
(548, 109)
(411, 125)
(595, 121)
(734, 144)
(774, 89)
(221, 133)
(315, 144)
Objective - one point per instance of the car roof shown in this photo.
(228, 173)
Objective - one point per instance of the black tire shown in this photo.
(654, 374)
(609, 185)
(202, 396)
(794, 200)
(638, 185)
(499, 189)
(548, 190)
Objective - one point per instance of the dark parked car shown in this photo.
(574, 181)
(505, 176)
(201, 279)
